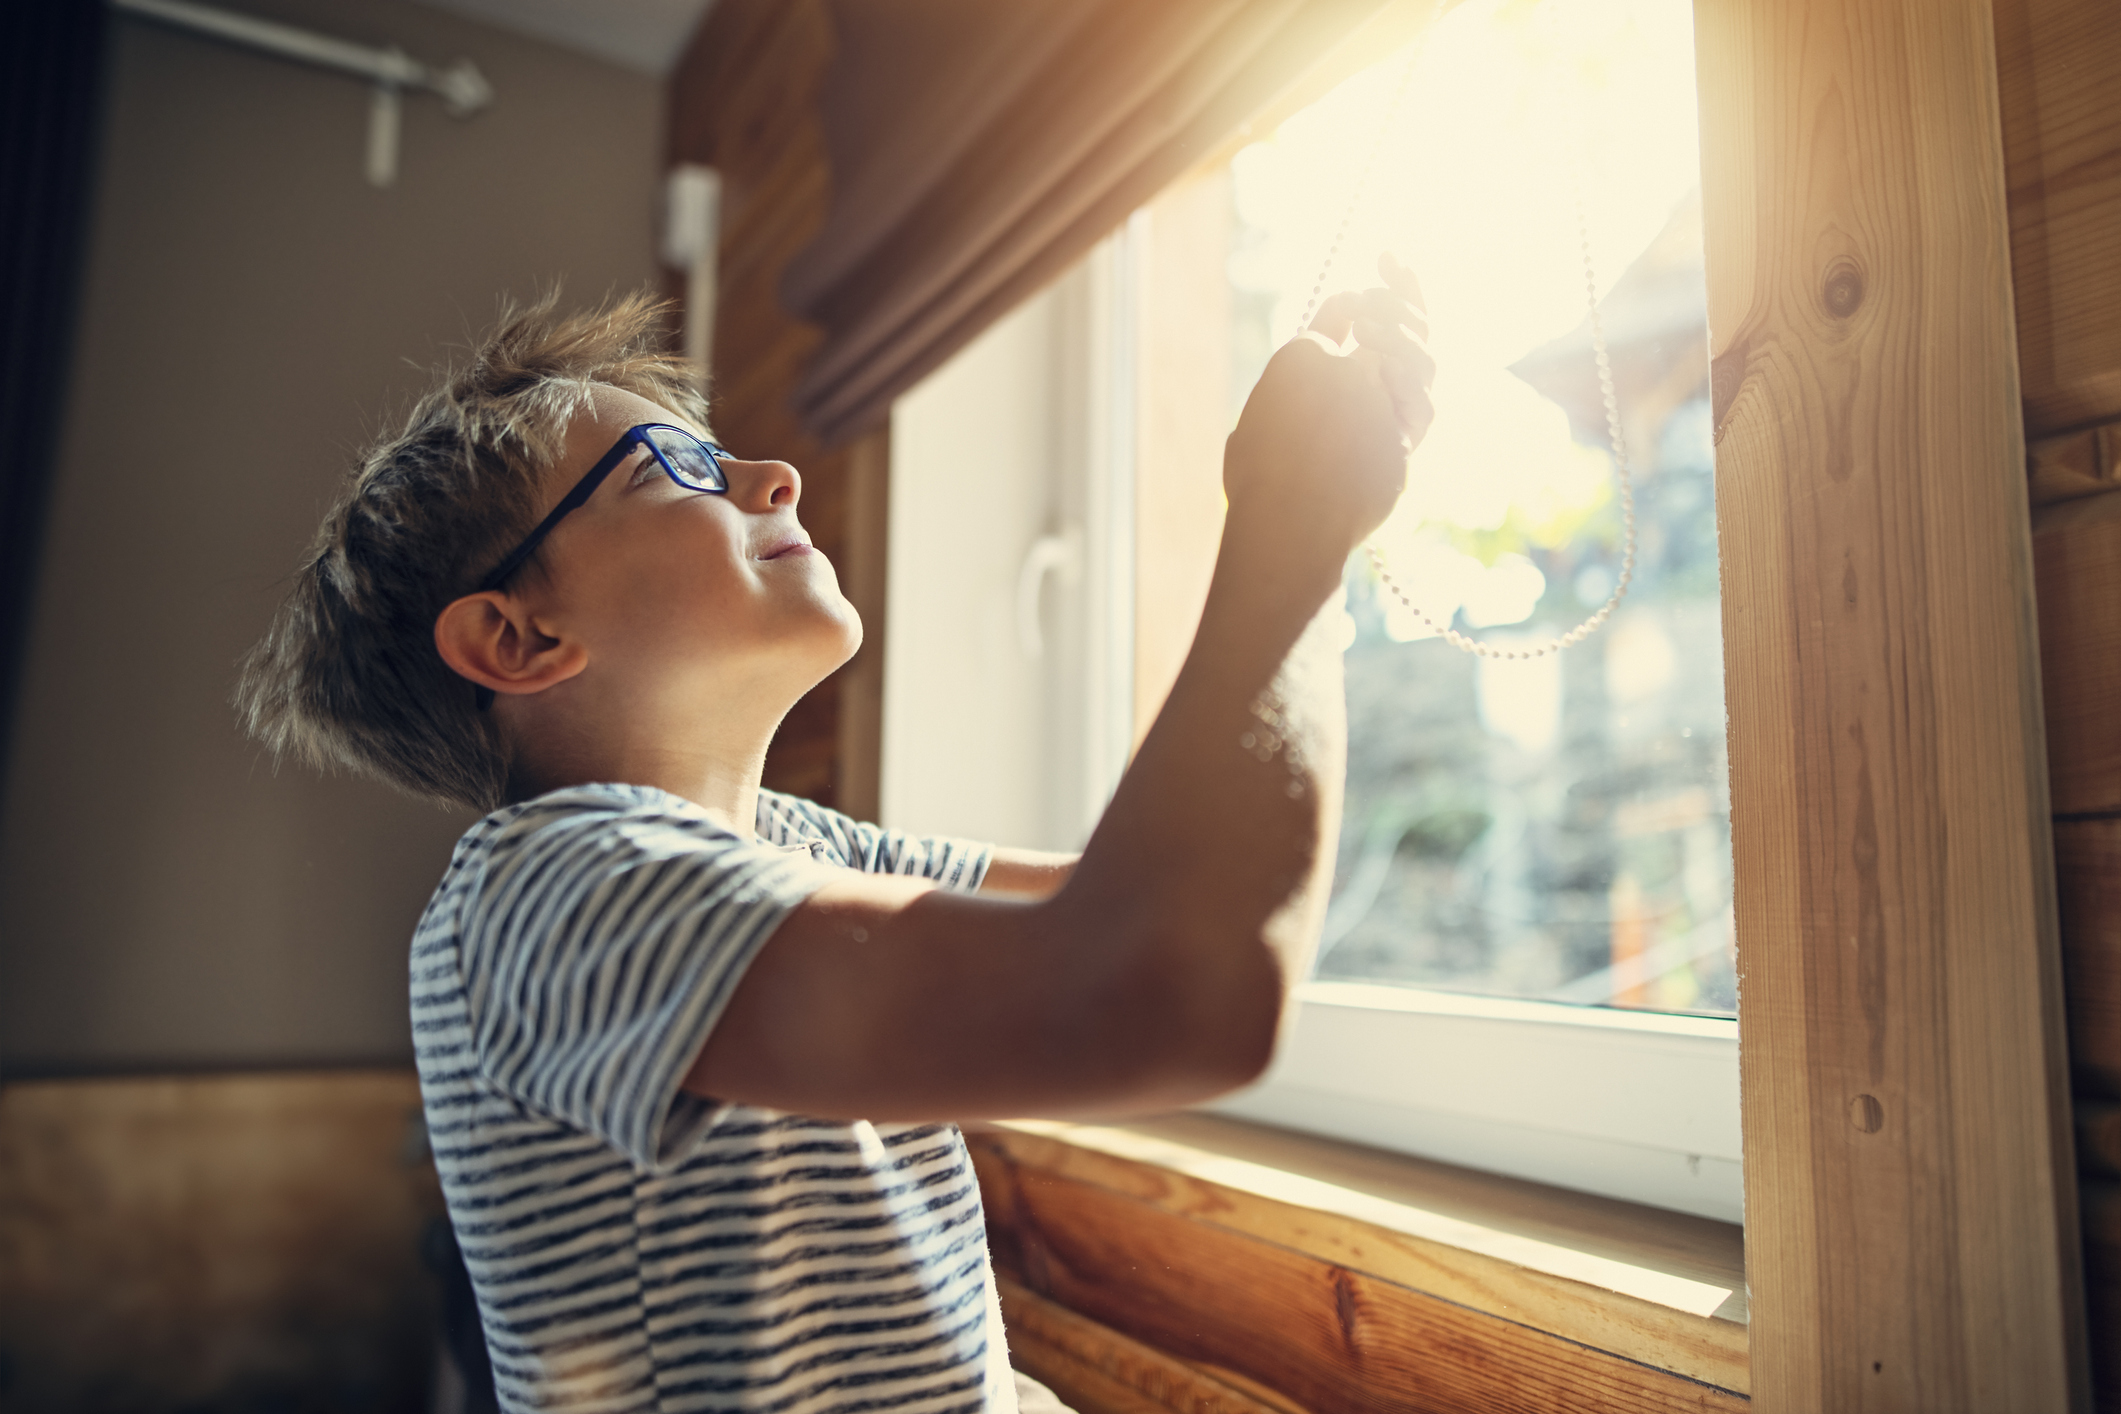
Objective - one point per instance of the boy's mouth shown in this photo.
(794, 545)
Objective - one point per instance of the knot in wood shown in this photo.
(1867, 1114)
(1842, 293)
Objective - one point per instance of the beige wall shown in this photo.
(165, 898)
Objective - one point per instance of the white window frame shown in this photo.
(1636, 1105)
(1051, 405)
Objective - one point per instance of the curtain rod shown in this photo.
(461, 87)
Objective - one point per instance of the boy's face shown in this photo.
(682, 597)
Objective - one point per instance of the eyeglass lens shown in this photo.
(688, 460)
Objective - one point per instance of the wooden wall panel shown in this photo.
(743, 100)
(1096, 1370)
(2060, 67)
(2078, 547)
(1911, 1232)
(1479, 1241)
(242, 1242)
(2081, 463)
(2088, 868)
(2077, 550)
(858, 771)
(1322, 1337)
(2059, 63)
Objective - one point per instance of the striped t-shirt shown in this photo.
(634, 1246)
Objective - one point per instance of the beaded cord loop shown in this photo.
(1597, 620)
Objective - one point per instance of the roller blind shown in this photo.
(977, 150)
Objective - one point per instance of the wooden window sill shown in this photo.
(1633, 1295)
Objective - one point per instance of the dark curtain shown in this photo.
(978, 149)
(51, 66)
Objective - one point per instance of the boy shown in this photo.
(689, 1049)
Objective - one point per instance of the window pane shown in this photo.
(1554, 827)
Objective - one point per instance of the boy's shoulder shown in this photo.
(576, 835)
(570, 836)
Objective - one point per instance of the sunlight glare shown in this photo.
(1513, 108)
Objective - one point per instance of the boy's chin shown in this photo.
(831, 635)
(850, 629)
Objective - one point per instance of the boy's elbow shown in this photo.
(1220, 1001)
(1236, 1057)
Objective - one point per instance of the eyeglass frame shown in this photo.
(635, 436)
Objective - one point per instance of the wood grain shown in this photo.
(1094, 1368)
(1324, 1337)
(2081, 463)
(1896, 943)
(2088, 870)
(2077, 557)
(2059, 64)
(1531, 1255)
(858, 769)
(224, 1242)
(743, 99)
(1246, 1157)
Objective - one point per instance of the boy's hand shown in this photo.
(1319, 454)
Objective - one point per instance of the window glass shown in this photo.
(1555, 827)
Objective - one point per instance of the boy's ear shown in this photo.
(496, 642)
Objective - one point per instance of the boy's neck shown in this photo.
(717, 767)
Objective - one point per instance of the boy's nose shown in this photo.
(763, 486)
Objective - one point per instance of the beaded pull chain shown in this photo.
(1597, 620)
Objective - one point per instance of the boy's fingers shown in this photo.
(1389, 337)
(1400, 278)
(1386, 419)
(1393, 308)
(1403, 413)
(1406, 372)
(1406, 385)
(1403, 353)
(1337, 316)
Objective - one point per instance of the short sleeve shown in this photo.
(599, 950)
(952, 863)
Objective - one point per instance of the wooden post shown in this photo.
(1911, 1218)
(858, 778)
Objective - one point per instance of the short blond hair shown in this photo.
(348, 676)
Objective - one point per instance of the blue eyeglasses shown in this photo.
(692, 463)
(685, 459)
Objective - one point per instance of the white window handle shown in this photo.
(1060, 554)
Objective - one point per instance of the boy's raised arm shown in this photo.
(1157, 974)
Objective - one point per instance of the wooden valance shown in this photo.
(977, 150)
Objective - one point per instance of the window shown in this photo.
(1554, 827)
(1008, 646)
(1527, 963)
(1532, 848)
